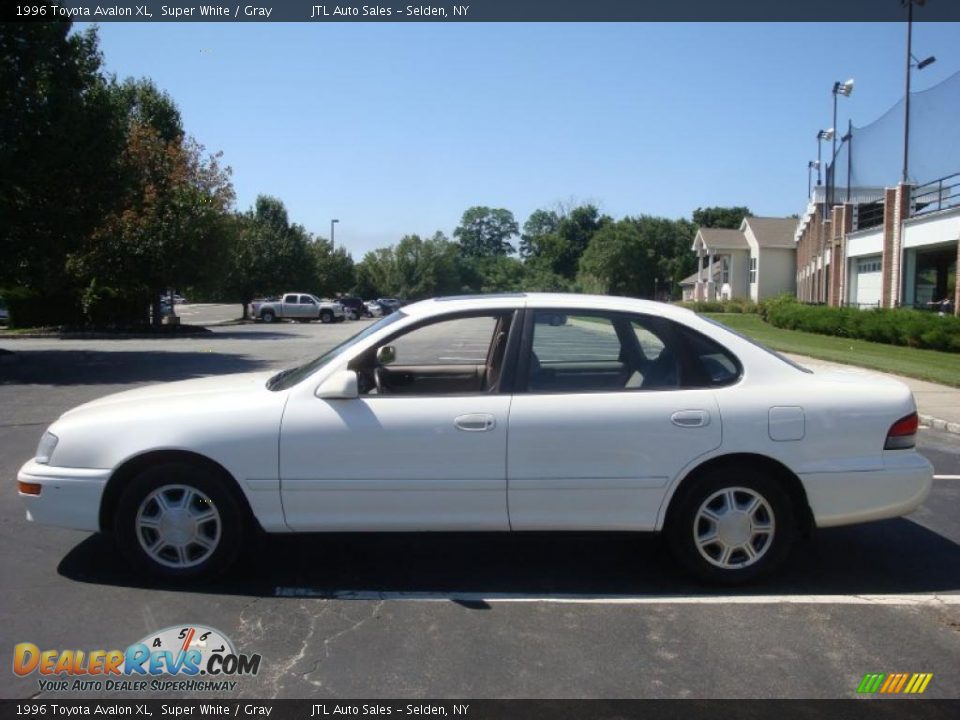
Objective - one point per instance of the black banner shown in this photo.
(865, 709)
(324, 11)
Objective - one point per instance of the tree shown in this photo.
(413, 269)
(553, 241)
(268, 256)
(60, 141)
(485, 232)
(168, 230)
(637, 256)
(541, 225)
(720, 217)
(619, 261)
(333, 268)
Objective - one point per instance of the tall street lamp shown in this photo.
(912, 62)
(810, 166)
(839, 88)
(821, 136)
(333, 245)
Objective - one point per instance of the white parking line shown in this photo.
(560, 598)
(946, 477)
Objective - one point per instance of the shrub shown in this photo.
(893, 327)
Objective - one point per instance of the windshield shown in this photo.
(291, 376)
(778, 356)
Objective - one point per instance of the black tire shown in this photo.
(771, 549)
(326, 316)
(197, 562)
(268, 316)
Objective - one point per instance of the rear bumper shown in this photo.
(854, 497)
(69, 497)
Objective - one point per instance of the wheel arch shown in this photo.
(774, 468)
(136, 464)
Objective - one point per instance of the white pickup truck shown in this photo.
(298, 306)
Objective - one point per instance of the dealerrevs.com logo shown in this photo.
(180, 658)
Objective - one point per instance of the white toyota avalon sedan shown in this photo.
(493, 413)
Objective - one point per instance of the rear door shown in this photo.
(290, 306)
(602, 420)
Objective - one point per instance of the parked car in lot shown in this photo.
(388, 305)
(354, 307)
(4, 312)
(621, 414)
(373, 308)
(302, 307)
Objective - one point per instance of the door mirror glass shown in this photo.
(342, 385)
(386, 355)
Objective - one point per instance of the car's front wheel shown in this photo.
(179, 521)
(732, 525)
(326, 316)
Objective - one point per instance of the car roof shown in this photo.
(568, 301)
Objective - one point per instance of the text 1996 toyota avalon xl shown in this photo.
(495, 413)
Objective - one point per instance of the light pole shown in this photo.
(810, 166)
(912, 62)
(839, 88)
(821, 136)
(333, 245)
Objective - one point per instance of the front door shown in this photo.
(422, 448)
(607, 420)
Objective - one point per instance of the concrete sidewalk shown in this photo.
(937, 405)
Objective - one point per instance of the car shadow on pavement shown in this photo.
(893, 556)
(95, 367)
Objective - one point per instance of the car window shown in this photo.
(460, 341)
(290, 298)
(598, 352)
(307, 300)
(575, 353)
(712, 364)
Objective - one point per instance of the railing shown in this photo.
(868, 215)
(936, 195)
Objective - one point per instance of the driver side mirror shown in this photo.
(341, 385)
(386, 355)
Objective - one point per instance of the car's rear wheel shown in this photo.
(732, 525)
(267, 316)
(179, 521)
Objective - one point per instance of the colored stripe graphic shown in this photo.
(870, 683)
(894, 683)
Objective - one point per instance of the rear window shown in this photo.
(778, 356)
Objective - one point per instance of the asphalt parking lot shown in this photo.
(471, 616)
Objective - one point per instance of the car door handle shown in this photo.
(690, 418)
(475, 422)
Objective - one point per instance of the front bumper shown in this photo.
(846, 498)
(69, 497)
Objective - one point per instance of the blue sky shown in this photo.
(397, 128)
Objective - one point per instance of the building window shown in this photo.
(753, 270)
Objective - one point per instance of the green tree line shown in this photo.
(106, 202)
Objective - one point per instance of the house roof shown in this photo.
(723, 239)
(772, 232)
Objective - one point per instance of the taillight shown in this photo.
(903, 433)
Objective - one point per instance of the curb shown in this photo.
(938, 424)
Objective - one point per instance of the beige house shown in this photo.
(757, 261)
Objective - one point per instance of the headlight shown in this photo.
(48, 444)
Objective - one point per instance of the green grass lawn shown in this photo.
(939, 367)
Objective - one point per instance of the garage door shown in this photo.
(869, 281)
